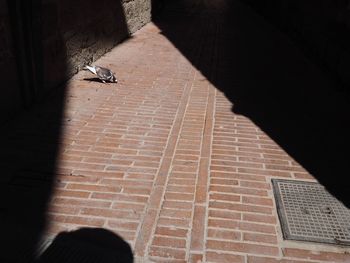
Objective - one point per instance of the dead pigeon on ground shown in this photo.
(104, 74)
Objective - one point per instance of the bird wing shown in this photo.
(92, 69)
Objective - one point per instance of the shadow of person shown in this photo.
(95, 245)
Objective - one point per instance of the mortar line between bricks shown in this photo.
(147, 226)
(278, 228)
(180, 127)
(199, 211)
(209, 131)
(194, 233)
(250, 255)
(214, 92)
(188, 242)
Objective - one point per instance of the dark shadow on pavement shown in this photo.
(95, 245)
(93, 79)
(268, 80)
(45, 35)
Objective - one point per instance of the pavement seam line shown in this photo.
(140, 242)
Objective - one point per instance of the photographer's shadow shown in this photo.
(95, 245)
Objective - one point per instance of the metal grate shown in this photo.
(308, 212)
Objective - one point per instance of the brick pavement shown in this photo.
(161, 160)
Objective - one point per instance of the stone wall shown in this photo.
(320, 27)
(45, 42)
(84, 30)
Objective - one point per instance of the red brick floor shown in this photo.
(160, 159)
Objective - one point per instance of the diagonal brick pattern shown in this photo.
(161, 159)
(115, 137)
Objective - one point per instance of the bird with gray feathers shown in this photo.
(104, 74)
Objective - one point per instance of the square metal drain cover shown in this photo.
(307, 212)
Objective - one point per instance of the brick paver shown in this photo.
(161, 159)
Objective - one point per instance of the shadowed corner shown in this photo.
(157, 8)
(95, 245)
(43, 43)
(268, 80)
